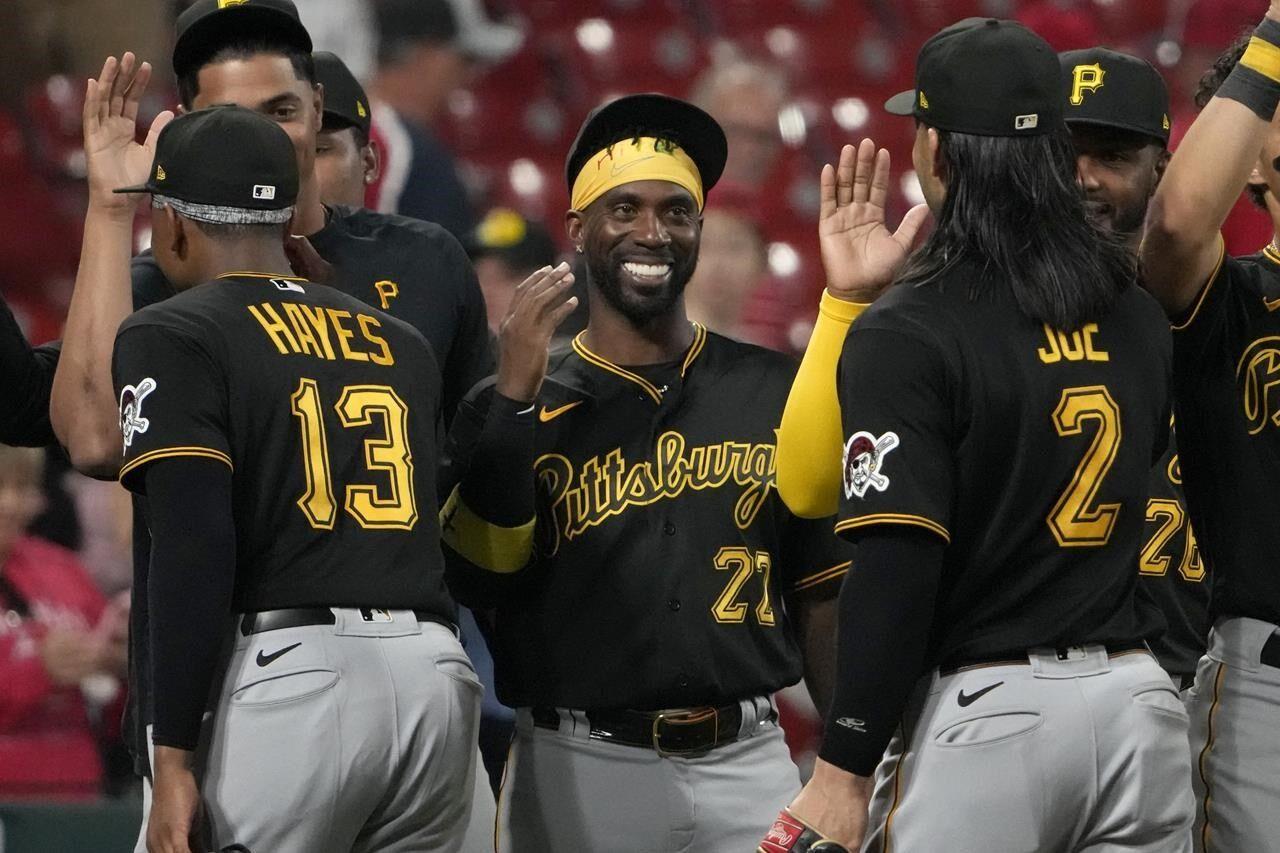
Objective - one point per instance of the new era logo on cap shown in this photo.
(266, 192)
(1027, 122)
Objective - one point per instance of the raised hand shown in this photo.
(860, 254)
(541, 303)
(114, 157)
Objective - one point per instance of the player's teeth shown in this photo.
(647, 270)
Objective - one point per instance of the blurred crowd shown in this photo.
(473, 106)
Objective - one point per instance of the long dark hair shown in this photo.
(1013, 208)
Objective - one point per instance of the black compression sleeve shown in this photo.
(886, 608)
(499, 485)
(26, 381)
(193, 554)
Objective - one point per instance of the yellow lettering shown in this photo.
(275, 328)
(307, 342)
(315, 316)
(1052, 355)
(384, 358)
(1090, 351)
(335, 317)
(1076, 346)
(1085, 78)
(387, 290)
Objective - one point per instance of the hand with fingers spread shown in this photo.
(860, 254)
(541, 303)
(113, 155)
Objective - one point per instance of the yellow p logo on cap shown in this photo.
(1085, 78)
(222, 4)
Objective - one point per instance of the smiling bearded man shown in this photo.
(651, 591)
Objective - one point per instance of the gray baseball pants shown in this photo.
(1235, 741)
(1083, 755)
(360, 737)
(564, 791)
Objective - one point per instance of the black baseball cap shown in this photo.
(697, 133)
(1114, 89)
(224, 164)
(208, 24)
(986, 77)
(345, 103)
(521, 243)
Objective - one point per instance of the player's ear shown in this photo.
(179, 244)
(317, 101)
(934, 143)
(1162, 163)
(371, 157)
(573, 226)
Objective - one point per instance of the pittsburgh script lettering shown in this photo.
(607, 485)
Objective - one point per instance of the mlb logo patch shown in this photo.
(264, 192)
(1026, 122)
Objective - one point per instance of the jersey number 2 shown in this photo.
(397, 509)
(1075, 520)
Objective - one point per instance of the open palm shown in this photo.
(860, 255)
(113, 155)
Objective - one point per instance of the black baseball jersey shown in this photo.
(1025, 448)
(324, 409)
(422, 275)
(664, 555)
(1171, 573)
(1226, 391)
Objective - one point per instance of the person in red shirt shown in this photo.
(60, 642)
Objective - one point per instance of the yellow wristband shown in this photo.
(1263, 57)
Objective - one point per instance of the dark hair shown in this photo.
(1213, 79)
(1013, 207)
(304, 67)
(224, 232)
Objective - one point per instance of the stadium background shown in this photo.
(817, 72)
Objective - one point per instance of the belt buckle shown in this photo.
(685, 718)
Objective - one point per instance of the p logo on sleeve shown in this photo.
(131, 420)
(864, 456)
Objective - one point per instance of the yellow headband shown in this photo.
(641, 160)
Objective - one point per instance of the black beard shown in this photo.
(605, 275)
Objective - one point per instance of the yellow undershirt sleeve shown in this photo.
(810, 435)
(503, 550)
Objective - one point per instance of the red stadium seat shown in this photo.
(734, 17)
(602, 57)
(533, 186)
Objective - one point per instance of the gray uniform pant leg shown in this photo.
(361, 738)
(564, 791)
(1078, 755)
(1235, 741)
(484, 813)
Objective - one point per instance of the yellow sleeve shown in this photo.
(810, 436)
(497, 549)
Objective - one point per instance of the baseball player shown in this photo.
(1224, 337)
(1118, 112)
(256, 54)
(1002, 404)
(347, 160)
(651, 591)
(284, 434)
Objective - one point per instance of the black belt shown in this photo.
(1020, 656)
(1271, 651)
(296, 617)
(691, 731)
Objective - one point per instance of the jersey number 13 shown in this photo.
(396, 509)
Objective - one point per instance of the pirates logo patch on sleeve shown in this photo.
(863, 460)
(131, 420)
